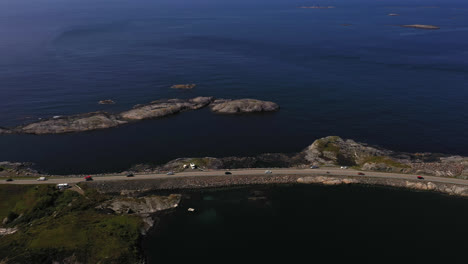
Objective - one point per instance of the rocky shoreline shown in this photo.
(145, 187)
(331, 151)
(155, 109)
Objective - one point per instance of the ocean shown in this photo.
(313, 224)
(372, 81)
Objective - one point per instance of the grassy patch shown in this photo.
(385, 160)
(328, 144)
(19, 199)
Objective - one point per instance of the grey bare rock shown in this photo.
(228, 106)
(74, 123)
(334, 150)
(5, 131)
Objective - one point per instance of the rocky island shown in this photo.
(183, 86)
(107, 101)
(418, 26)
(155, 109)
(227, 106)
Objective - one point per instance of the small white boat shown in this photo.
(191, 210)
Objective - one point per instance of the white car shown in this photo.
(344, 167)
(268, 172)
(42, 179)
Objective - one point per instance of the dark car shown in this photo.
(421, 177)
(360, 173)
(9, 179)
(130, 175)
(314, 167)
(228, 173)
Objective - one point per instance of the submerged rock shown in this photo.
(317, 7)
(227, 106)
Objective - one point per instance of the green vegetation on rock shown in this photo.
(55, 225)
(328, 144)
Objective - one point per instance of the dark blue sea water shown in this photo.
(311, 224)
(400, 88)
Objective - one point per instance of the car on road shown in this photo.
(63, 186)
(170, 173)
(420, 177)
(9, 179)
(268, 172)
(88, 178)
(314, 167)
(130, 175)
(344, 167)
(227, 173)
(360, 173)
(42, 179)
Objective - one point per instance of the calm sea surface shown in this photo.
(312, 224)
(400, 88)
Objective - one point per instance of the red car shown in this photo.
(88, 178)
(360, 173)
(421, 177)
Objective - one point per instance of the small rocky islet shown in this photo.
(419, 26)
(184, 86)
(106, 102)
(155, 109)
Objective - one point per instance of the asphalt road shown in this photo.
(245, 172)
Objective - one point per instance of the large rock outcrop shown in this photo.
(228, 106)
(144, 207)
(162, 108)
(334, 150)
(75, 123)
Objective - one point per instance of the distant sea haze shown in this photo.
(373, 81)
